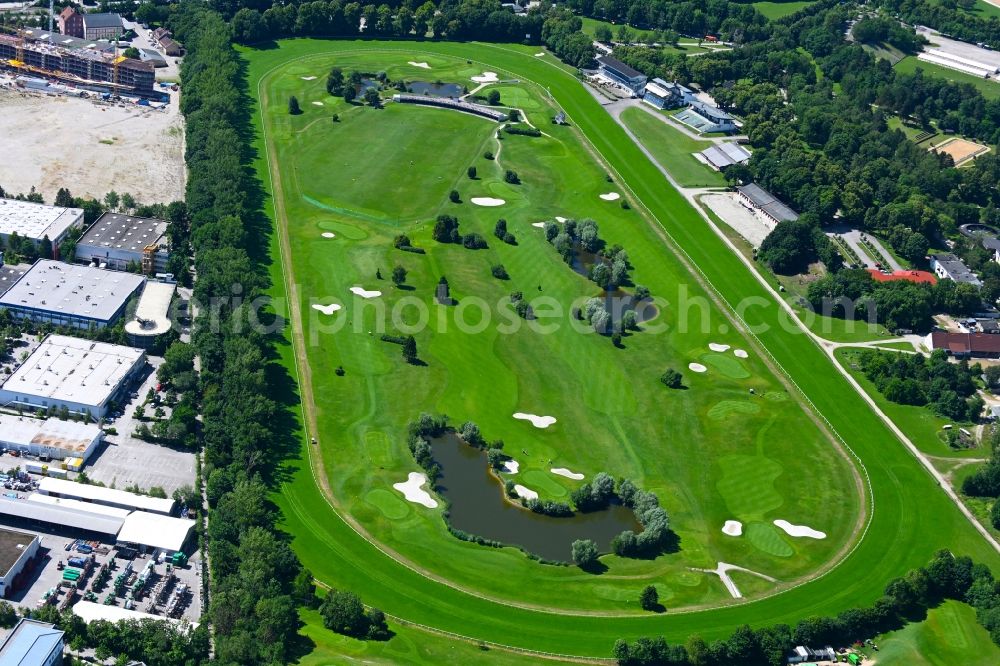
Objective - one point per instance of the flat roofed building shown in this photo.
(69, 41)
(102, 26)
(723, 155)
(16, 551)
(81, 375)
(663, 95)
(622, 74)
(80, 521)
(949, 267)
(90, 611)
(712, 118)
(153, 57)
(760, 199)
(33, 643)
(121, 499)
(50, 437)
(115, 241)
(155, 531)
(11, 274)
(152, 315)
(36, 221)
(80, 505)
(67, 295)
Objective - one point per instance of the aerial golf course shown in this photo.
(764, 429)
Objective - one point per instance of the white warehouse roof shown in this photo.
(74, 370)
(36, 221)
(122, 498)
(89, 611)
(69, 290)
(71, 436)
(155, 530)
(78, 505)
(61, 515)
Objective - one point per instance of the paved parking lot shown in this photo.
(48, 576)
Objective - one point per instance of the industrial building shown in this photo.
(102, 26)
(17, 550)
(949, 267)
(119, 241)
(67, 41)
(86, 68)
(722, 155)
(663, 95)
(74, 296)
(622, 74)
(33, 643)
(109, 497)
(81, 376)
(49, 438)
(37, 221)
(760, 199)
(10, 274)
(152, 315)
(89, 611)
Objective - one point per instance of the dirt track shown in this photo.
(91, 148)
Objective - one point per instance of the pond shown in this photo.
(616, 302)
(435, 89)
(478, 506)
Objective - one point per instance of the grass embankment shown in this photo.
(672, 149)
(911, 519)
(990, 89)
(777, 10)
(949, 635)
(377, 173)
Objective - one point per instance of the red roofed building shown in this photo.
(965, 345)
(920, 277)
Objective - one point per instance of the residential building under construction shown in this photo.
(86, 68)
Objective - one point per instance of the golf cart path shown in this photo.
(828, 347)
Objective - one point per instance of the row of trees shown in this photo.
(985, 481)
(905, 599)
(911, 379)
(953, 18)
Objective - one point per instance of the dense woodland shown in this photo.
(950, 17)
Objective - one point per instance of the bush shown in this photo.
(672, 379)
(523, 131)
(454, 196)
(511, 177)
(471, 171)
(499, 272)
(488, 155)
(474, 241)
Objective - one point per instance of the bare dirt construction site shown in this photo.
(961, 150)
(90, 147)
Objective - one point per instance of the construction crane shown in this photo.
(51, 17)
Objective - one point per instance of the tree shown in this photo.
(500, 228)
(335, 81)
(454, 196)
(629, 321)
(343, 613)
(992, 374)
(584, 552)
(446, 229)
(8, 616)
(373, 98)
(602, 33)
(493, 98)
(410, 349)
(510, 176)
(649, 599)
(131, 52)
(64, 199)
(672, 379)
(499, 272)
(398, 275)
(350, 93)
(293, 106)
(995, 515)
(472, 172)
(112, 200)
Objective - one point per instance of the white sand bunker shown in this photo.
(611, 196)
(413, 492)
(511, 466)
(540, 225)
(799, 530)
(487, 201)
(308, 78)
(329, 234)
(696, 367)
(560, 220)
(526, 493)
(716, 347)
(327, 309)
(486, 77)
(562, 471)
(732, 528)
(537, 421)
(421, 65)
(365, 293)
(317, 103)
(540, 54)
(740, 353)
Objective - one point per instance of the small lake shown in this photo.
(435, 89)
(616, 302)
(478, 507)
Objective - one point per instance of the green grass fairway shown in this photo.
(909, 64)
(389, 171)
(984, 9)
(672, 149)
(777, 10)
(665, 440)
(948, 637)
